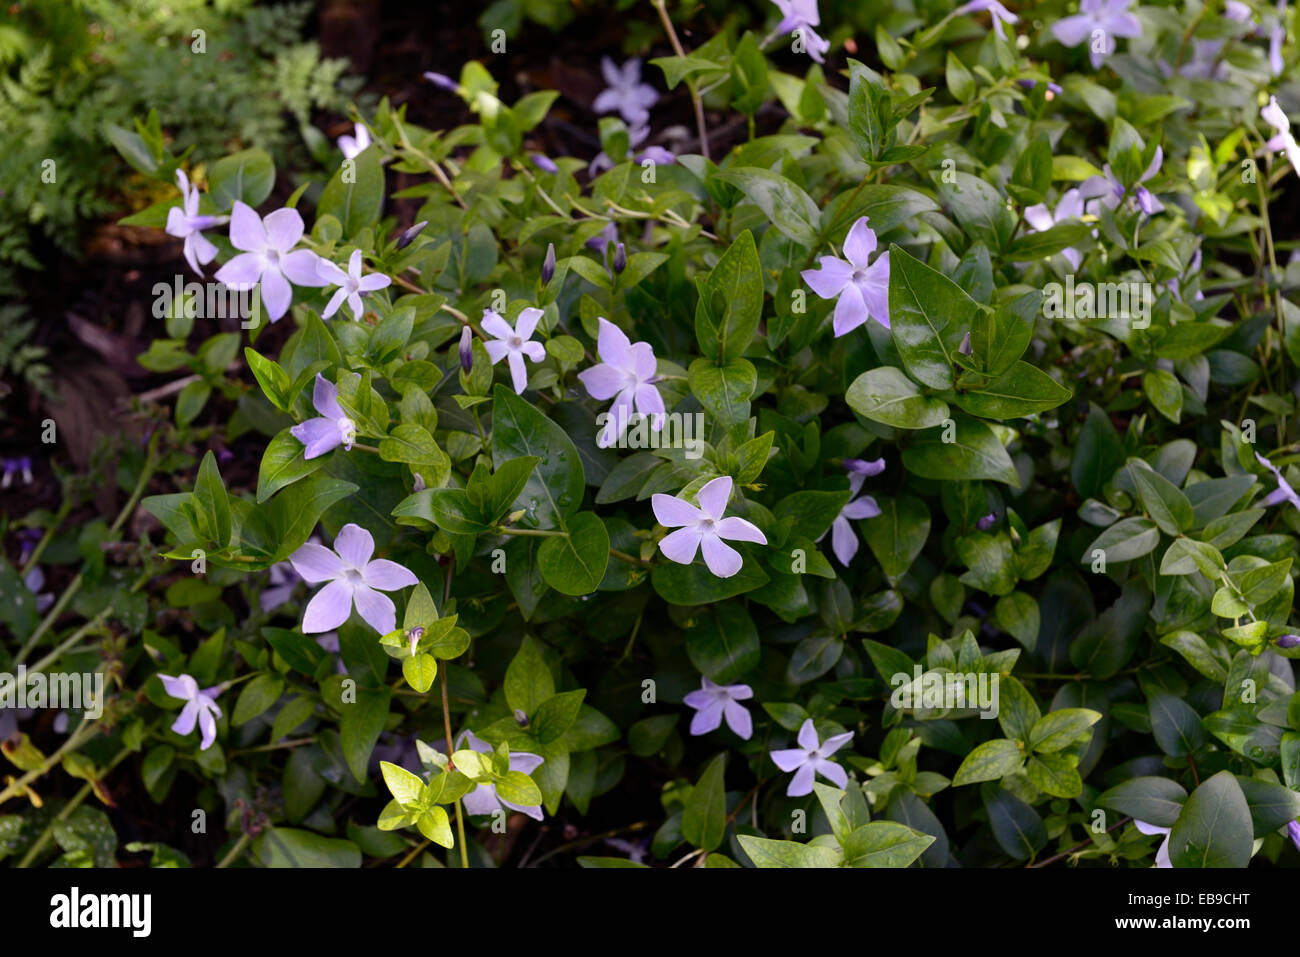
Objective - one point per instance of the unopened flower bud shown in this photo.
(407, 237)
(964, 348)
(419, 482)
(620, 258)
(548, 264)
(439, 79)
(413, 636)
(1288, 641)
(544, 163)
(985, 523)
(521, 718)
(467, 349)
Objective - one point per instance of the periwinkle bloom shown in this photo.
(354, 578)
(22, 465)
(1284, 492)
(620, 258)
(354, 146)
(1288, 641)
(200, 707)
(329, 430)
(812, 758)
(626, 93)
(548, 264)
(443, 81)
(625, 373)
(544, 163)
(1111, 191)
(1041, 219)
(1283, 140)
(467, 350)
(268, 256)
(843, 542)
(703, 528)
(514, 345)
(352, 284)
(713, 702)
(861, 290)
(409, 235)
(985, 522)
(1162, 855)
(802, 16)
(1102, 20)
(1293, 832)
(185, 222)
(999, 13)
(35, 581)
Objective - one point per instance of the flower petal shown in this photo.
(527, 322)
(613, 344)
(850, 310)
(671, 511)
(494, 325)
(317, 436)
(284, 228)
(723, 560)
(831, 276)
(316, 563)
(680, 546)
(860, 243)
(376, 608)
(388, 575)
(737, 529)
(246, 230)
(328, 609)
(277, 294)
(713, 497)
(355, 545)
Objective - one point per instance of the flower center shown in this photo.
(353, 576)
(516, 341)
(347, 431)
(860, 274)
(272, 258)
(707, 524)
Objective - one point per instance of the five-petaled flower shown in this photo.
(801, 16)
(811, 758)
(703, 528)
(626, 373)
(1162, 855)
(714, 701)
(626, 93)
(999, 13)
(484, 798)
(515, 344)
(352, 284)
(354, 146)
(1098, 20)
(843, 542)
(185, 222)
(353, 578)
(268, 256)
(1111, 191)
(200, 707)
(863, 290)
(331, 429)
(1284, 492)
(1284, 140)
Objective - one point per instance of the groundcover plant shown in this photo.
(873, 451)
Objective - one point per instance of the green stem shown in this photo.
(233, 854)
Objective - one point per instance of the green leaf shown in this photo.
(528, 678)
(256, 696)
(1154, 800)
(518, 788)
(694, 585)
(929, 314)
(575, 564)
(723, 390)
(405, 787)
(360, 727)
(248, 176)
(419, 671)
(989, 761)
(731, 302)
(974, 453)
(1022, 390)
(704, 816)
(554, 490)
(1059, 729)
(722, 642)
(1016, 826)
(292, 847)
(1126, 540)
(886, 395)
(787, 207)
(897, 535)
(1214, 829)
(355, 204)
(765, 852)
(1162, 500)
(884, 844)
(556, 715)
(212, 500)
(283, 464)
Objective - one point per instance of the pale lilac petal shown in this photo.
(807, 736)
(242, 272)
(650, 402)
(494, 325)
(182, 686)
(864, 507)
(602, 381)
(301, 267)
(843, 542)
(739, 720)
(388, 575)
(802, 783)
(829, 278)
(527, 322)
(1072, 31)
(325, 397)
(723, 560)
(708, 718)
(284, 228)
(525, 761)
(833, 773)
(1146, 828)
(355, 545)
(208, 726)
(835, 742)
(1039, 217)
(739, 530)
(789, 758)
(354, 303)
(184, 722)
(336, 300)
(328, 609)
(701, 698)
(850, 310)
(330, 272)
(496, 350)
(641, 361)
(376, 608)
(714, 496)
(318, 436)
(482, 800)
(535, 812)
(374, 281)
(518, 372)
(277, 294)
(860, 243)
(316, 563)
(680, 546)
(613, 344)
(246, 230)
(534, 351)
(671, 511)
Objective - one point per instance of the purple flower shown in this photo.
(282, 580)
(21, 465)
(1284, 492)
(1293, 832)
(184, 222)
(714, 701)
(704, 528)
(484, 798)
(863, 290)
(409, 235)
(635, 137)
(544, 163)
(467, 349)
(1237, 11)
(353, 578)
(35, 581)
(442, 80)
(799, 17)
(1283, 140)
(354, 146)
(1000, 13)
(548, 264)
(514, 345)
(1030, 84)
(812, 758)
(985, 522)
(1276, 37)
(1041, 219)
(843, 542)
(331, 429)
(1288, 641)
(200, 707)
(1162, 855)
(351, 284)
(1098, 20)
(1112, 192)
(626, 93)
(625, 373)
(600, 242)
(268, 256)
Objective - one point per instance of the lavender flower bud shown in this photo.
(407, 237)
(548, 264)
(964, 348)
(521, 718)
(544, 163)
(418, 484)
(413, 636)
(467, 349)
(1288, 641)
(439, 79)
(620, 258)
(985, 523)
